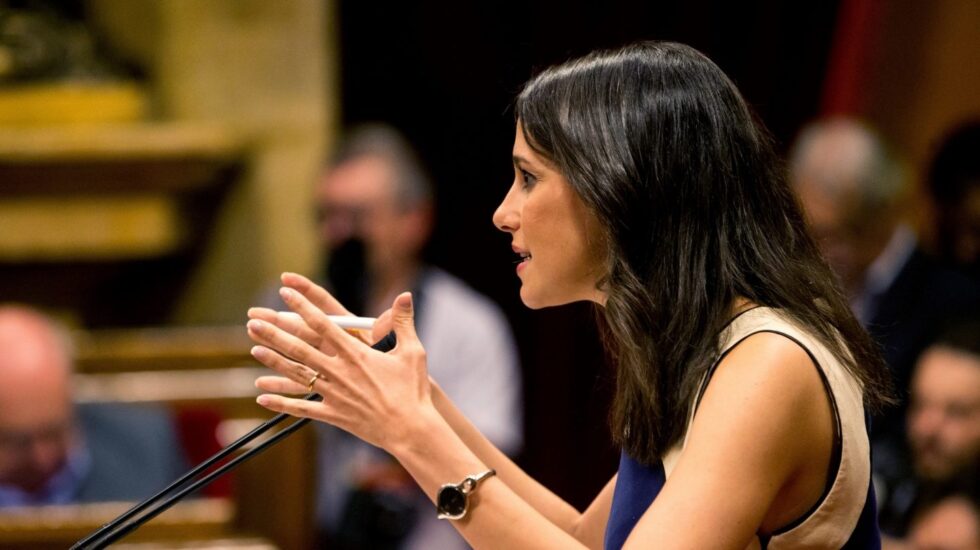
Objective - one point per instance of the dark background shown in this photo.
(446, 73)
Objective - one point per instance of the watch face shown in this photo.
(451, 501)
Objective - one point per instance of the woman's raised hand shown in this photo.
(376, 396)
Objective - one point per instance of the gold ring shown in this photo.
(309, 386)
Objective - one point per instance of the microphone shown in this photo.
(118, 528)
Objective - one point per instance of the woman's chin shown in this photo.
(535, 300)
(530, 299)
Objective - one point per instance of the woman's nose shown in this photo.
(507, 217)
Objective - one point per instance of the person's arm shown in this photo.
(527, 498)
(588, 527)
(757, 454)
(755, 459)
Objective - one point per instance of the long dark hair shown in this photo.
(696, 212)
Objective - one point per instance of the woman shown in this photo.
(643, 184)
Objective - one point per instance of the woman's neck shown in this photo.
(740, 305)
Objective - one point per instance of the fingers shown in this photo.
(382, 326)
(318, 410)
(278, 384)
(297, 372)
(403, 320)
(290, 324)
(331, 334)
(294, 407)
(315, 293)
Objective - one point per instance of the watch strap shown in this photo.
(470, 483)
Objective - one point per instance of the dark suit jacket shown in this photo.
(909, 313)
(135, 452)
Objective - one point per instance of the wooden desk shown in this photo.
(161, 348)
(58, 527)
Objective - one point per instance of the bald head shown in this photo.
(35, 358)
(35, 397)
(852, 189)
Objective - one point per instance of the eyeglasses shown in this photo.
(21, 441)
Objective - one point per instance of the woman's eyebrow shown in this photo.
(518, 160)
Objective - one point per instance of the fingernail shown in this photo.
(255, 324)
(405, 300)
(257, 352)
(287, 293)
(263, 400)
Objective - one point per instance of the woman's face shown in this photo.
(555, 235)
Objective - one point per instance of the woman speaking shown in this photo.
(642, 183)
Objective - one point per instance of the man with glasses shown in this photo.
(53, 452)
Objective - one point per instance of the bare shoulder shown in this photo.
(762, 424)
(767, 368)
(768, 390)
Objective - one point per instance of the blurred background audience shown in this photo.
(946, 517)
(54, 452)
(943, 425)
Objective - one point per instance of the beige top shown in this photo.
(831, 522)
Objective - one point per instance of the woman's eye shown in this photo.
(527, 179)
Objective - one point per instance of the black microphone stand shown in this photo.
(118, 528)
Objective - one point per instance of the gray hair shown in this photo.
(412, 185)
(844, 156)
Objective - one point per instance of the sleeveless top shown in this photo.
(845, 516)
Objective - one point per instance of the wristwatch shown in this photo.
(453, 500)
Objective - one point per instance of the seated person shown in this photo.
(53, 452)
(943, 422)
(948, 517)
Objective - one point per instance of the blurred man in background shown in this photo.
(855, 192)
(943, 424)
(375, 214)
(947, 520)
(944, 417)
(52, 452)
(852, 188)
